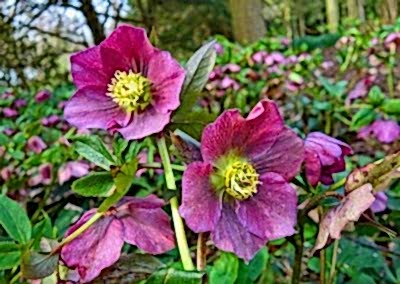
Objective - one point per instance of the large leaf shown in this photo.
(130, 269)
(14, 220)
(174, 276)
(93, 149)
(94, 184)
(192, 123)
(391, 106)
(9, 255)
(363, 117)
(35, 265)
(198, 69)
(248, 273)
(225, 269)
(188, 148)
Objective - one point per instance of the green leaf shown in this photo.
(14, 220)
(93, 149)
(376, 96)
(391, 106)
(35, 265)
(333, 89)
(198, 69)
(174, 276)
(94, 184)
(225, 269)
(192, 123)
(119, 145)
(363, 117)
(9, 255)
(123, 181)
(248, 273)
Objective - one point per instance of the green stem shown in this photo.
(181, 236)
(337, 185)
(322, 257)
(169, 174)
(176, 218)
(334, 260)
(79, 231)
(390, 77)
(156, 165)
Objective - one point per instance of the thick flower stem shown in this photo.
(176, 218)
(79, 231)
(201, 252)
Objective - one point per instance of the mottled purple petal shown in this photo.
(144, 124)
(250, 136)
(87, 69)
(312, 167)
(385, 131)
(272, 212)
(96, 248)
(167, 77)
(201, 205)
(146, 225)
(230, 235)
(90, 108)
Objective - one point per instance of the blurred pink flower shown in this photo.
(10, 112)
(72, 169)
(20, 103)
(231, 68)
(44, 175)
(219, 49)
(42, 96)
(51, 120)
(36, 144)
(385, 131)
(392, 38)
(380, 202)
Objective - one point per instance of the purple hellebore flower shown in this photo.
(9, 131)
(380, 202)
(228, 82)
(72, 169)
(240, 192)
(231, 68)
(44, 175)
(361, 88)
(20, 103)
(219, 49)
(392, 38)
(125, 85)
(42, 96)
(259, 56)
(385, 131)
(9, 112)
(36, 144)
(324, 156)
(137, 221)
(51, 120)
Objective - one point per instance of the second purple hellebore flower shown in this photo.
(137, 221)
(240, 192)
(125, 85)
(324, 156)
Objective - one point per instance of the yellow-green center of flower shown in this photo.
(131, 91)
(241, 180)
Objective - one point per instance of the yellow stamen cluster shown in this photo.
(131, 91)
(241, 180)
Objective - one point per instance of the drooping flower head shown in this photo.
(125, 85)
(72, 169)
(324, 156)
(137, 221)
(240, 191)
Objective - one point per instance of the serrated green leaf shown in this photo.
(35, 265)
(9, 255)
(363, 117)
(93, 149)
(225, 269)
(14, 220)
(174, 276)
(94, 184)
(391, 106)
(198, 69)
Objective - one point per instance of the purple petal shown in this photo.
(132, 45)
(144, 124)
(380, 202)
(250, 136)
(201, 206)
(386, 131)
(146, 226)
(87, 70)
(312, 166)
(230, 235)
(272, 212)
(36, 144)
(283, 157)
(167, 77)
(91, 108)
(113, 61)
(96, 248)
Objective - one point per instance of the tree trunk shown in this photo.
(392, 10)
(352, 9)
(332, 15)
(93, 21)
(247, 20)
